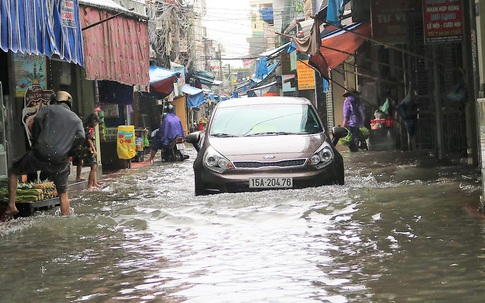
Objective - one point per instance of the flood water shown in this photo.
(403, 229)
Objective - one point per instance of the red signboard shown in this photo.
(443, 21)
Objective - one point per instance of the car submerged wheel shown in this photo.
(341, 180)
(199, 190)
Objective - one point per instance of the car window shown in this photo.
(265, 119)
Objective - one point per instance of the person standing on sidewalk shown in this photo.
(90, 154)
(354, 116)
(57, 134)
(77, 160)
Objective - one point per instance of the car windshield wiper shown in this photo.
(222, 135)
(269, 134)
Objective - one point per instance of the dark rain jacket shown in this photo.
(57, 133)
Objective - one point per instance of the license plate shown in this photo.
(270, 182)
(180, 146)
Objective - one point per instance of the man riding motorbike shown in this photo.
(170, 129)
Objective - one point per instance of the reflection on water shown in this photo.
(398, 231)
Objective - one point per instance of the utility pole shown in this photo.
(206, 65)
(230, 78)
(219, 56)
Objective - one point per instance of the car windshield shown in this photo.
(264, 120)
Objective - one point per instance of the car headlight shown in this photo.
(323, 157)
(216, 162)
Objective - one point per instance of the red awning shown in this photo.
(337, 45)
(116, 50)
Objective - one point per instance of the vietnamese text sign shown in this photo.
(391, 19)
(443, 21)
(305, 75)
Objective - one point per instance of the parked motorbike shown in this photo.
(175, 150)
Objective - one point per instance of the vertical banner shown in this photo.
(125, 143)
(305, 75)
(443, 21)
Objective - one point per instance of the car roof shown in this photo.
(264, 100)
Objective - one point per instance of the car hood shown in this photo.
(268, 147)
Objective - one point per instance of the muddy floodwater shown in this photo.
(404, 228)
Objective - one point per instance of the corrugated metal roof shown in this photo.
(109, 5)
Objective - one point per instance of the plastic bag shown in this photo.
(347, 140)
(146, 142)
(385, 107)
(364, 131)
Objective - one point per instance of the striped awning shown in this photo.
(42, 27)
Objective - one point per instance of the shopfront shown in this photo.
(116, 47)
(38, 55)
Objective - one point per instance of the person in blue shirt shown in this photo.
(170, 128)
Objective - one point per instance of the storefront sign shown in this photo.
(29, 70)
(68, 13)
(111, 134)
(287, 81)
(110, 110)
(306, 75)
(390, 20)
(443, 21)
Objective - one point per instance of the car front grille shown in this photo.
(284, 163)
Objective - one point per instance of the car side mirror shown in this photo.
(194, 139)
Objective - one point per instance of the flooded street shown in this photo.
(400, 230)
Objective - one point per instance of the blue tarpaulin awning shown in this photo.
(42, 27)
(258, 77)
(195, 96)
(190, 90)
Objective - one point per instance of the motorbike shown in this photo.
(175, 151)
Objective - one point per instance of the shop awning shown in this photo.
(337, 45)
(117, 49)
(42, 27)
(206, 78)
(161, 79)
(195, 96)
(115, 92)
(275, 52)
(190, 90)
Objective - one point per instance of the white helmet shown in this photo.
(61, 96)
